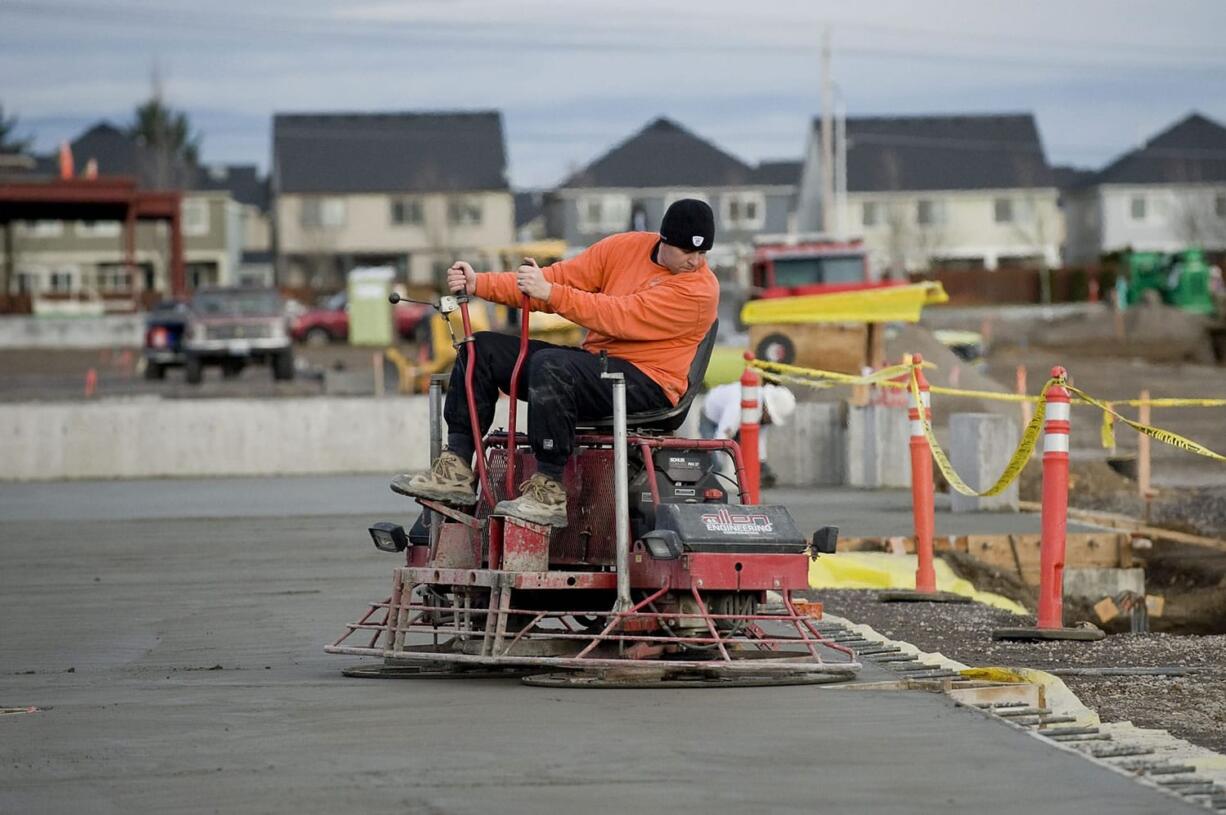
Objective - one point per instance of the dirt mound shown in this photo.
(1151, 331)
(952, 372)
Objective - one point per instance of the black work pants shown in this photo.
(561, 384)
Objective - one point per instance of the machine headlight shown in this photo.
(389, 537)
(662, 544)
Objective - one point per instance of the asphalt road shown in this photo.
(171, 635)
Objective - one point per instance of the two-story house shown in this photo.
(1166, 195)
(631, 185)
(930, 191)
(414, 191)
(218, 207)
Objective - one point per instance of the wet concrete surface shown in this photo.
(177, 663)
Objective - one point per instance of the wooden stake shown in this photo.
(377, 363)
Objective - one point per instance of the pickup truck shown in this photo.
(164, 331)
(232, 327)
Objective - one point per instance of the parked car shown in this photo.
(231, 327)
(165, 327)
(330, 322)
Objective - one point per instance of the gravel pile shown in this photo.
(1191, 707)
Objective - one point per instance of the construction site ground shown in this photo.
(168, 636)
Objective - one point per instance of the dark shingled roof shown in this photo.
(242, 181)
(1190, 151)
(117, 153)
(778, 173)
(944, 153)
(663, 154)
(388, 152)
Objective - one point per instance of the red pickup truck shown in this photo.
(330, 322)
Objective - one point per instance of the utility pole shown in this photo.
(827, 138)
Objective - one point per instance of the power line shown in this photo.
(448, 36)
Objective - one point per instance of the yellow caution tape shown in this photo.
(1017, 461)
(1164, 436)
(818, 379)
(1168, 403)
(881, 377)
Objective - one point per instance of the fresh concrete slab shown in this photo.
(178, 667)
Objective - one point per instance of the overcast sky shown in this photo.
(574, 78)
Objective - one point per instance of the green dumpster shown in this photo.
(370, 314)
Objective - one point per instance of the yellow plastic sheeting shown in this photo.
(880, 570)
(889, 304)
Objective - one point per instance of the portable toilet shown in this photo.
(370, 313)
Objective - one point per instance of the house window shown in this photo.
(1136, 207)
(98, 229)
(195, 217)
(110, 278)
(870, 213)
(1002, 210)
(61, 282)
(744, 210)
(604, 213)
(929, 212)
(464, 212)
(326, 213)
(407, 212)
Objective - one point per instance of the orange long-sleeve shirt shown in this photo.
(633, 307)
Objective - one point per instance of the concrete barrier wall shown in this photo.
(810, 450)
(150, 438)
(878, 447)
(109, 331)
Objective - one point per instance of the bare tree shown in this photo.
(1198, 218)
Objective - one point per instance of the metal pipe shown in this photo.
(621, 498)
(487, 495)
(524, 310)
(435, 407)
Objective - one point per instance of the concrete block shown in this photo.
(878, 447)
(810, 449)
(1095, 583)
(979, 448)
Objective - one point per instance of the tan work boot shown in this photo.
(450, 480)
(542, 501)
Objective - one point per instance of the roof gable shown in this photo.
(241, 181)
(778, 173)
(388, 152)
(663, 154)
(1193, 150)
(917, 153)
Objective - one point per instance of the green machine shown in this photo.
(1180, 278)
(370, 313)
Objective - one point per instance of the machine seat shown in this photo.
(668, 419)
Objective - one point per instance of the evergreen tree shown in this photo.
(10, 142)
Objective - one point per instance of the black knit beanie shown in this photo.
(689, 224)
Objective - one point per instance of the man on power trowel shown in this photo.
(647, 299)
